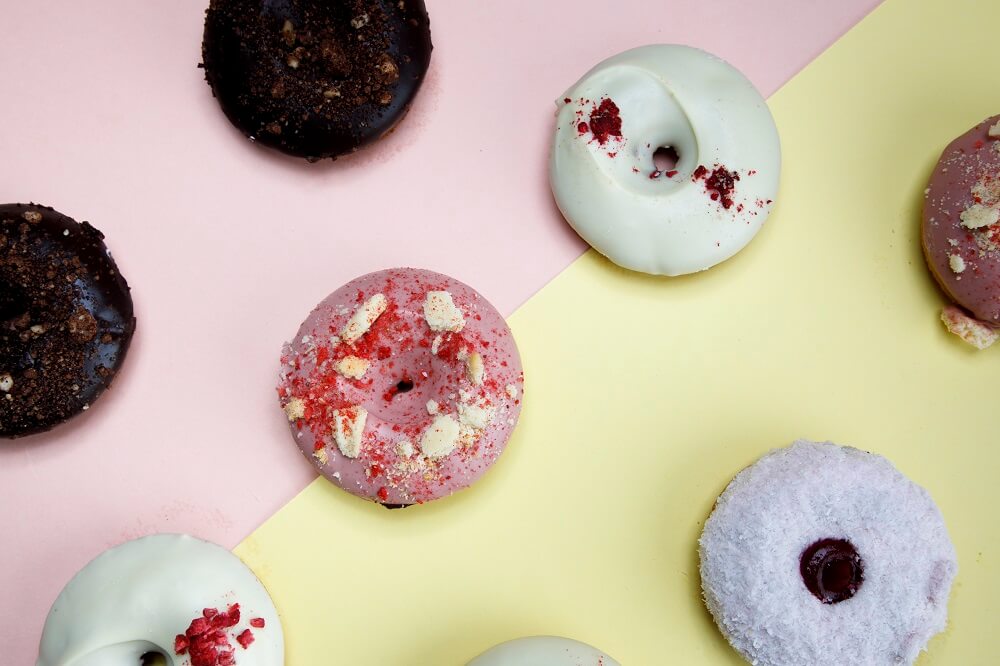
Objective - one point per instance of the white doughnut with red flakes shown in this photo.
(190, 601)
(402, 386)
(693, 215)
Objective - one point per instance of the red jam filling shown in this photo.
(832, 570)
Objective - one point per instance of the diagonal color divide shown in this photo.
(228, 246)
(825, 327)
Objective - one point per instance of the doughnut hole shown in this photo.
(665, 159)
(832, 570)
(408, 380)
(153, 659)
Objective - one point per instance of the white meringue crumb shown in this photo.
(363, 318)
(441, 313)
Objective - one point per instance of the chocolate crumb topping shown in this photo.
(314, 78)
(65, 318)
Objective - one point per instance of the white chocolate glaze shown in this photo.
(136, 598)
(543, 651)
(612, 194)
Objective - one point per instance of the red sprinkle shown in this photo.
(245, 638)
(720, 184)
(383, 493)
(606, 122)
(670, 174)
(257, 623)
(206, 640)
(582, 128)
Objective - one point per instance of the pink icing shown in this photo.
(399, 348)
(969, 164)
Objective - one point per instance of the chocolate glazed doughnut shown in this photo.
(316, 78)
(65, 318)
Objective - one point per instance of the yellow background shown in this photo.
(825, 327)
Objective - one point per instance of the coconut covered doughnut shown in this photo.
(961, 232)
(821, 554)
(402, 386)
(65, 318)
(314, 78)
(192, 602)
(543, 651)
(686, 217)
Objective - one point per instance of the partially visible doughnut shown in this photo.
(543, 651)
(826, 555)
(961, 232)
(313, 78)
(693, 215)
(192, 602)
(66, 318)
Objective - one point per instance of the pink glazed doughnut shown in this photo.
(403, 386)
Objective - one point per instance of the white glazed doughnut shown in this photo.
(689, 218)
(826, 555)
(543, 651)
(189, 600)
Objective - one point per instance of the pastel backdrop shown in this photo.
(227, 247)
(825, 327)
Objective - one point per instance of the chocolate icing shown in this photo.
(314, 78)
(66, 318)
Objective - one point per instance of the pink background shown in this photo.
(227, 247)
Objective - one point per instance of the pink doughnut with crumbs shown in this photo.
(403, 386)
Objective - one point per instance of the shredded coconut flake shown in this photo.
(433, 407)
(956, 263)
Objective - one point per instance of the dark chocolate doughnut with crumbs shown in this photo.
(316, 78)
(65, 318)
